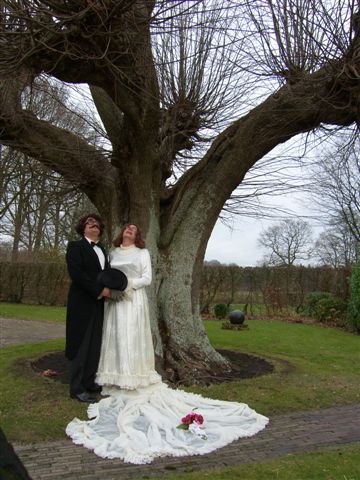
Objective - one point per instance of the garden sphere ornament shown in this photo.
(237, 317)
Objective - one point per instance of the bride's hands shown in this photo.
(119, 296)
(128, 292)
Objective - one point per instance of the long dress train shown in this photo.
(138, 420)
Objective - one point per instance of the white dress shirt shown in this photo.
(98, 252)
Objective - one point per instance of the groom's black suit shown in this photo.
(85, 313)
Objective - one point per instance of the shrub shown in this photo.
(330, 309)
(311, 300)
(34, 283)
(325, 307)
(354, 302)
(221, 310)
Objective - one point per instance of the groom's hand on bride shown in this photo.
(105, 293)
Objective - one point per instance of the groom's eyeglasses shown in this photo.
(91, 221)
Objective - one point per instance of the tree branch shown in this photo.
(328, 96)
(104, 43)
(78, 162)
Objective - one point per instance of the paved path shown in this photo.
(291, 433)
(14, 331)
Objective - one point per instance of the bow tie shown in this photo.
(93, 244)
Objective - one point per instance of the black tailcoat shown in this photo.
(83, 303)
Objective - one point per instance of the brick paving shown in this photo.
(288, 433)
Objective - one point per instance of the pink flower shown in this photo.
(193, 417)
(198, 419)
(193, 423)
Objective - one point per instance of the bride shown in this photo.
(142, 418)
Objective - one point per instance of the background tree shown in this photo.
(286, 68)
(212, 279)
(336, 188)
(354, 302)
(336, 194)
(232, 284)
(37, 209)
(37, 205)
(336, 246)
(286, 242)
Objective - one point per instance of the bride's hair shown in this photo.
(139, 241)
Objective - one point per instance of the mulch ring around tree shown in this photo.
(54, 365)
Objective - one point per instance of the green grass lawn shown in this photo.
(330, 464)
(33, 312)
(314, 367)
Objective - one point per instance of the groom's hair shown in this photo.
(139, 241)
(80, 226)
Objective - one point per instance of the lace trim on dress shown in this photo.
(126, 250)
(129, 247)
(127, 382)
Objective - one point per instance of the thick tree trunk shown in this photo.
(188, 356)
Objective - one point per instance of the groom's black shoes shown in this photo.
(94, 389)
(83, 397)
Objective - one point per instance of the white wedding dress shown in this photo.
(138, 420)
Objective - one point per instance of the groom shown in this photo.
(85, 259)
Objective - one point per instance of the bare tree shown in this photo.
(212, 279)
(336, 189)
(292, 68)
(37, 208)
(34, 199)
(336, 246)
(287, 242)
(233, 275)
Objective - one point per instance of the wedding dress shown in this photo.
(127, 354)
(138, 420)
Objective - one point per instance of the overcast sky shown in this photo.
(239, 245)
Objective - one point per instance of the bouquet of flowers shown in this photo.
(194, 423)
